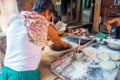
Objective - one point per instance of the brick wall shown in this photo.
(25, 4)
(28, 4)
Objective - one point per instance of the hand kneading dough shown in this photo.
(108, 65)
(103, 56)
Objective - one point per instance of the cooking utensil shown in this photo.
(109, 35)
(100, 41)
(78, 45)
(113, 43)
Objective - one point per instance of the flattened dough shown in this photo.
(103, 56)
(108, 65)
(89, 53)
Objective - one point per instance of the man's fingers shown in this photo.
(108, 27)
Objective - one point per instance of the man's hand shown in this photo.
(108, 27)
(107, 23)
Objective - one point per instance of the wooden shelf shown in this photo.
(109, 10)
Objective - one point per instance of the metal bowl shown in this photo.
(100, 41)
(113, 43)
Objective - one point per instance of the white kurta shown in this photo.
(21, 54)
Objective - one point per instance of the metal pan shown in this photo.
(113, 43)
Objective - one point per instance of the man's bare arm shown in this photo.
(109, 22)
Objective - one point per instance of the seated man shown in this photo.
(108, 25)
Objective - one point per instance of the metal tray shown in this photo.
(93, 72)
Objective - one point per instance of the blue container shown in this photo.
(76, 40)
(72, 39)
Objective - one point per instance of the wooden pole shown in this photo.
(96, 15)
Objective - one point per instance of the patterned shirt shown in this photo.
(37, 26)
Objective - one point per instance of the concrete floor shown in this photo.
(46, 73)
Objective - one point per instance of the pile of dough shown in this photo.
(115, 57)
(108, 65)
(103, 56)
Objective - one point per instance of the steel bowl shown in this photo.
(113, 43)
